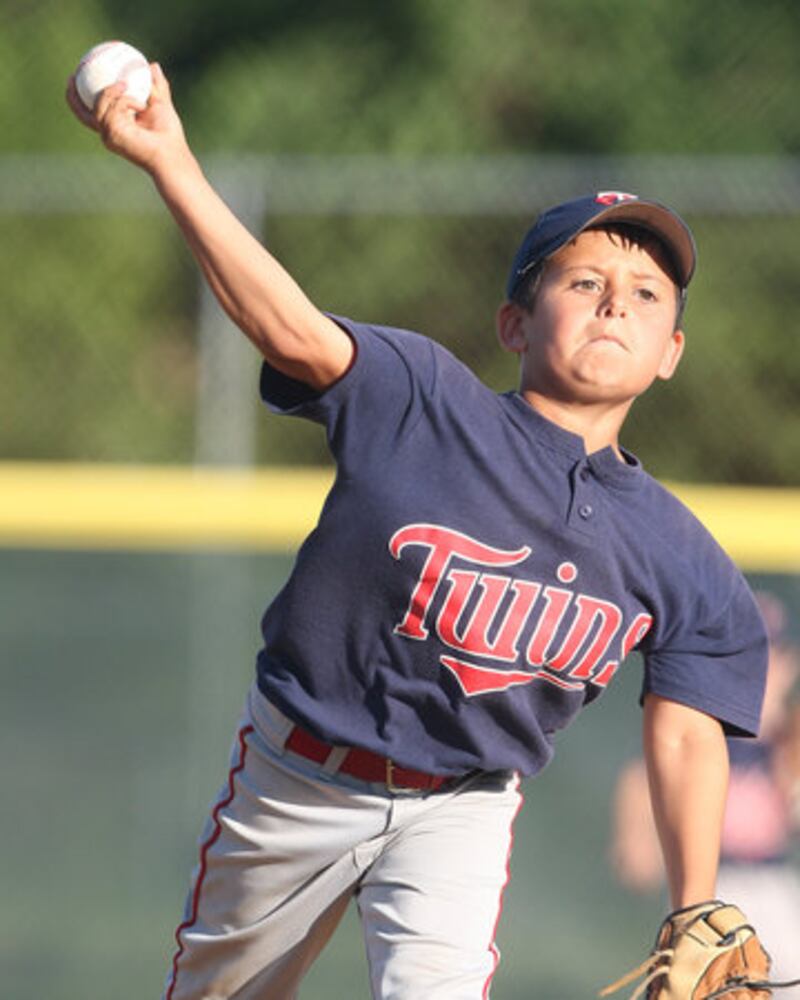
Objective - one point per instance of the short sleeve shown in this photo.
(716, 661)
(380, 398)
(387, 362)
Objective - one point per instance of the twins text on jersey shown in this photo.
(487, 615)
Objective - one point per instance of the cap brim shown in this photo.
(663, 223)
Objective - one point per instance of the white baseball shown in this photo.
(108, 63)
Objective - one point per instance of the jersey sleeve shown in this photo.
(382, 395)
(716, 660)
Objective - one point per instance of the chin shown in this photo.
(595, 384)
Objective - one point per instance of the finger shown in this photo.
(109, 100)
(161, 88)
(121, 126)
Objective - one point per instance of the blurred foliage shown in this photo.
(100, 309)
(472, 76)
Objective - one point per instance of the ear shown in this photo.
(672, 355)
(510, 329)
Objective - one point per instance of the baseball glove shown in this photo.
(703, 952)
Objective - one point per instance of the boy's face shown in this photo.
(602, 327)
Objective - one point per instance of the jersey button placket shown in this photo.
(583, 511)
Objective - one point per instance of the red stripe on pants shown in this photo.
(216, 829)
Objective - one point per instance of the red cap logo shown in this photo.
(613, 197)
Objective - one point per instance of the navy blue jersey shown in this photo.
(476, 578)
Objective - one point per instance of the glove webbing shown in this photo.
(651, 968)
(750, 984)
(650, 972)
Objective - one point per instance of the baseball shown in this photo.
(108, 63)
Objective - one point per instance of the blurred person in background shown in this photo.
(761, 828)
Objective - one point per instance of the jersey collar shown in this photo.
(605, 464)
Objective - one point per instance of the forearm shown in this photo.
(252, 287)
(687, 764)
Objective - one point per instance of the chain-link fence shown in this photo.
(116, 352)
(392, 155)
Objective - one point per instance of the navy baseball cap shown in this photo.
(557, 226)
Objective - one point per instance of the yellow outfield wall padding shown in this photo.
(121, 506)
(759, 527)
(51, 505)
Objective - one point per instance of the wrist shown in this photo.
(173, 168)
(682, 914)
(688, 897)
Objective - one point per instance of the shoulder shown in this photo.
(385, 359)
(407, 346)
(394, 359)
(679, 535)
(698, 584)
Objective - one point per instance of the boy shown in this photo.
(481, 567)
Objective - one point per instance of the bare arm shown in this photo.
(687, 766)
(251, 286)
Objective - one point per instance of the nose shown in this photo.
(612, 303)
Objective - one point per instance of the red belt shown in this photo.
(365, 765)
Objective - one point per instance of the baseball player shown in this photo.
(481, 567)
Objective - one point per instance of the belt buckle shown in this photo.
(392, 787)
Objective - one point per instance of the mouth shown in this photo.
(609, 338)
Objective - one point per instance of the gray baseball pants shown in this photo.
(290, 843)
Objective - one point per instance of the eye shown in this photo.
(647, 295)
(586, 284)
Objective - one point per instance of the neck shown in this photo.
(598, 424)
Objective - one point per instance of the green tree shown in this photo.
(100, 311)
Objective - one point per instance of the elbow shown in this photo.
(317, 354)
(283, 344)
(673, 726)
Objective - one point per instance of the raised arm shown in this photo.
(252, 287)
(687, 767)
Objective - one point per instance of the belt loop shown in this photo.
(274, 726)
(334, 760)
